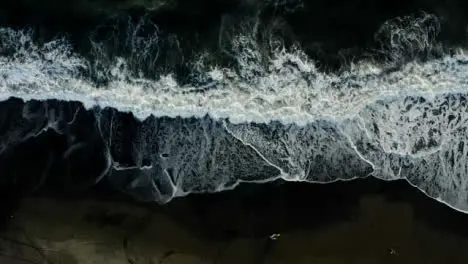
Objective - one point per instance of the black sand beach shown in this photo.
(70, 220)
(363, 221)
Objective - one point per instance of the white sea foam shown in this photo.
(408, 123)
(289, 89)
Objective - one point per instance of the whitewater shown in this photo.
(283, 118)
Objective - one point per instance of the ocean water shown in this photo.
(128, 104)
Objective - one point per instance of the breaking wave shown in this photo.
(273, 114)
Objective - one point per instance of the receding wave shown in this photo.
(273, 115)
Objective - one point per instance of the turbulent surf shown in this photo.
(270, 113)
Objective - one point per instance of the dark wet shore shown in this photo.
(362, 221)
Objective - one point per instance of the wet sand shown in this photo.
(364, 221)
